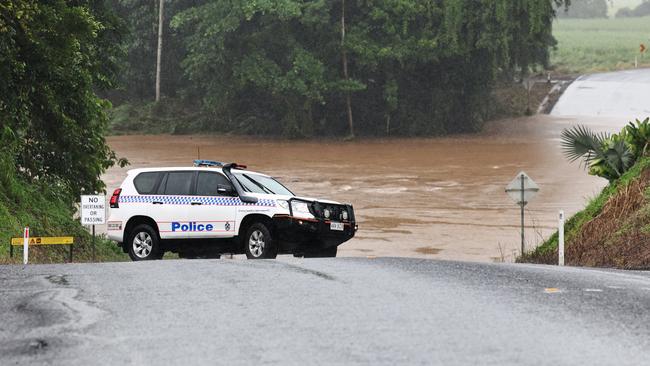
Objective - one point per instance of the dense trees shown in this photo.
(585, 9)
(283, 67)
(641, 10)
(140, 22)
(53, 54)
(279, 66)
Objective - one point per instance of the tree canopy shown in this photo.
(416, 67)
(584, 9)
(54, 55)
(640, 10)
(276, 67)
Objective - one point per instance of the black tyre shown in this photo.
(258, 242)
(329, 252)
(144, 244)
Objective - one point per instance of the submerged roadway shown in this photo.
(382, 311)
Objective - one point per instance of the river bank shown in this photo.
(179, 117)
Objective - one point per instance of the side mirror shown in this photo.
(225, 190)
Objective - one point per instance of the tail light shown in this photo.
(115, 198)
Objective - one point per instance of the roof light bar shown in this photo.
(211, 163)
(208, 163)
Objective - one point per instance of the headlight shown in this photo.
(301, 209)
(326, 213)
(344, 215)
(283, 204)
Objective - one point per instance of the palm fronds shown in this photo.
(607, 156)
(581, 142)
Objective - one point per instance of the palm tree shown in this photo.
(605, 155)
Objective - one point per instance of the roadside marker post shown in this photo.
(26, 245)
(560, 240)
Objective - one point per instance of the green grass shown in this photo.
(39, 206)
(593, 45)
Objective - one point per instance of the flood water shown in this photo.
(434, 197)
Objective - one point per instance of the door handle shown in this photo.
(196, 203)
(157, 203)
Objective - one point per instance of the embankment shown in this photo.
(612, 231)
(47, 213)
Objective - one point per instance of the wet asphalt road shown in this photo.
(621, 94)
(382, 311)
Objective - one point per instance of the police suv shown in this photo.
(214, 208)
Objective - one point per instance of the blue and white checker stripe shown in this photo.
(186, 200)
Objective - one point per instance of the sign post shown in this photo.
(93, 212)
(522, 189)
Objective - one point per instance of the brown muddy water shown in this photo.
(425, 197)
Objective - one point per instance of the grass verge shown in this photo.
(40, 207)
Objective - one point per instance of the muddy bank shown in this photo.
(433, 197)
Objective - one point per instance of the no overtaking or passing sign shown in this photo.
(93, 210)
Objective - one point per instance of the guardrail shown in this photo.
(41, 240)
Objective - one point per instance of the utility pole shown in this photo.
(522, 177)
(160, 37)
(344, 56)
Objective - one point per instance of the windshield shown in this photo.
(260, 184)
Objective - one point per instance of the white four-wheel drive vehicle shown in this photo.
(214, 208)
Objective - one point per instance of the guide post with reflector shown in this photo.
(560, 240)
(26, 245)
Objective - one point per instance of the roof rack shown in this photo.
(212, 163)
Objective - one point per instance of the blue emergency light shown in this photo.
(208, 163)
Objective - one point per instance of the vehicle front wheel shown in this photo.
(144, 244)
(258, 242)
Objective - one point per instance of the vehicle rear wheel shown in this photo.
(258, 242)
(144, 244)
(329, 252)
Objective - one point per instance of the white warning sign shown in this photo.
(93, 210)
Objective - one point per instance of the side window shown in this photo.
(145, 183)
(178, 183)
(208, 182)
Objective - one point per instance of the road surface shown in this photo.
(383, 311)
(621, 94)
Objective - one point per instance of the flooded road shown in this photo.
(434, 197)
